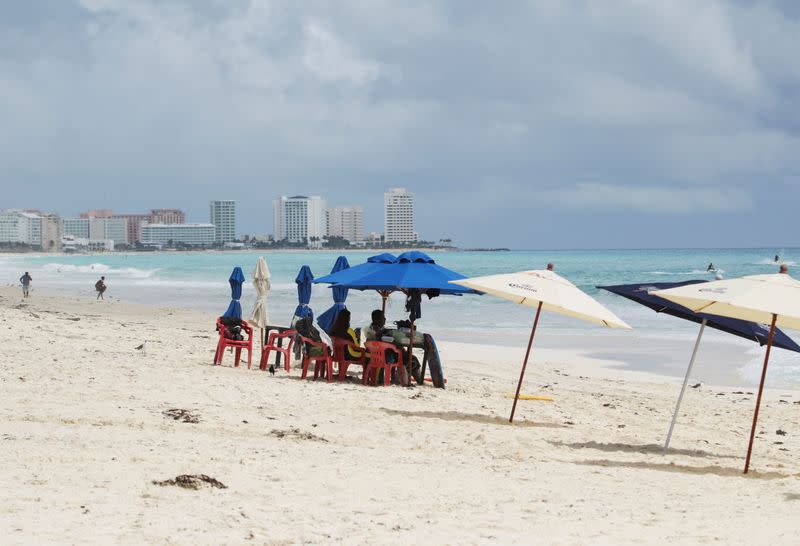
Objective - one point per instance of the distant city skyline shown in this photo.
(519, 124)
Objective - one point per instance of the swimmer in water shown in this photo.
(777, 258)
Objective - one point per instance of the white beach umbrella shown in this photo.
(546, 290)
(766, 299)
(259, 316)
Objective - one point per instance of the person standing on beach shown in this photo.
(784, 269)
(100, 286)
(26, 284)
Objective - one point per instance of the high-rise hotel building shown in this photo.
(299, 219)
(398, 216)
(223, 216)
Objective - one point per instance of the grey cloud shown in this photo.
(136, 101)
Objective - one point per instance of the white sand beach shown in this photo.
(84, 435)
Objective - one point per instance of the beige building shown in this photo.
(398, 223)
(51, 233)
(167, 216)
(347, 223)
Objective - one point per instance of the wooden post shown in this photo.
(525, 362)
(760, 391)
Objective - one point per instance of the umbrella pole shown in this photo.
(525, 362)
(760, 391)
(685, 382)
(410, 355)
(384, 295)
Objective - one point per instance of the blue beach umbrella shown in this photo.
(412, 270)
(413, 273)
(304, 279)
(236, 279)
(325, 320)
(351, 273)
(347, 275)
(640, 293)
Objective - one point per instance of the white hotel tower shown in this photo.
(398, 219)
(298, 219)
(223, 216)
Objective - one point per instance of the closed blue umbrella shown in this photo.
(640, 293)
(236, 279)
(304, 279)
(325, 320)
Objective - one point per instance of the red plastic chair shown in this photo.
(272, 345)
(323, 365)
(225, 342)
(377, 361)
(342, 356)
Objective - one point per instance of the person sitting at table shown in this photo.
(341, 329)
(305, 327)
(377, 328)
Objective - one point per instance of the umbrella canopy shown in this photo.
(410, 270)
(356, 271)
(325, 320)
(236, 279)
(756, 298)
(261, 283)
(543, 289)
(553, 291)
(759, 298)
(303, 280)
(642, 293)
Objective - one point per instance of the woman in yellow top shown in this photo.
(341, 329)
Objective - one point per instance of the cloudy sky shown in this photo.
(541, 124)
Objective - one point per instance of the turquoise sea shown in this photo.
(199, 280)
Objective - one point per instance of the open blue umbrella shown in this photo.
(325, 320)
(236, 279)
(413, 273)
(640, 293)
(411, 270)
(372, 264)
(304, 279)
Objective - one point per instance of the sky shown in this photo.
(541, 124)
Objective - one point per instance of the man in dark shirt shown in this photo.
(26, 284)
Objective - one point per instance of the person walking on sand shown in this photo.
(26, 284)
(100, 286)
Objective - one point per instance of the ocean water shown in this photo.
(199, 280)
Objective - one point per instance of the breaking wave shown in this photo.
(99, 268)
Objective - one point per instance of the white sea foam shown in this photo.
(692, 272)
(783, 365)
(98, 268)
